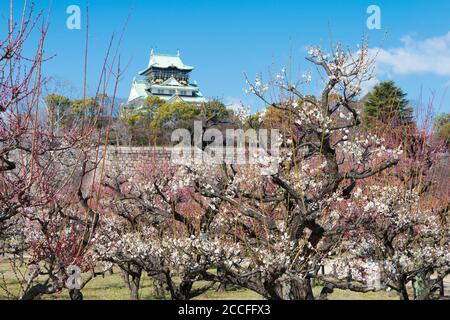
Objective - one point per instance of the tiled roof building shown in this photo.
(166, 77)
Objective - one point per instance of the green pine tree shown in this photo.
(387, 103)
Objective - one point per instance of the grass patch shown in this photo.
(111, 287)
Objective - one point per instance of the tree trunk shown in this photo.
(132, 280)
(295, 289)
(135, 285)
(301, 290)
(184, 292)
(75, 294)
(403, 292)
(159, 285)
(223, 284)
(441, 289)
(35, 292)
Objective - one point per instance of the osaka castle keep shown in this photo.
(166, 77)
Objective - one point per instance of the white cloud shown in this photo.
(428, 56)
(367, 86)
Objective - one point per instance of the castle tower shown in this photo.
(166, 77)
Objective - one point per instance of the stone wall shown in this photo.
(128, 160)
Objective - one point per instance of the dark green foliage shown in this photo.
(387, 103)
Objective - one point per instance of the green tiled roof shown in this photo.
(164, 61)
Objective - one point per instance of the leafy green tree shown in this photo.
(171, 116)
(214, 112)
(174, 113)
(443, 127)
(135, 115)
(63, 112)
(138, 118)
(253, 122)
(154, 121)
(387, 103)
(88, 109)
(58, 110)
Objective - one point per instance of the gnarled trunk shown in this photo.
(294, 289)
(36, 291)
(184, 290)
(76, 294)
(132, 280)
(134, 286)
(403, 292)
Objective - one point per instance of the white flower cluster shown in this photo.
(354, 269)
(366, 148)
(344, 68)
(280, 256)
(186, 256)
(268, 164)
(309, 177)
(307, 77)
(400, 206)
(312, 115)
(419, 239)
(243, 113)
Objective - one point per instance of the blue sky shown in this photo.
(224, 39)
